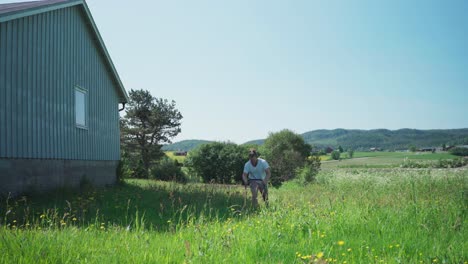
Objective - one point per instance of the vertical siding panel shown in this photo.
(76, 62)
(105, 96)
(92, 96)
(68, 83)
(64, 72)
(22, 89)
(60, 75)
(26, 95)
(96, 152)
(95, 107)
(3, 112)
(51, 87)
(14, 89)
(45, 96)
(90, 86)
(35, 65)
(29, 86)
(105, 119)
(74, 142)
(18, 88)
(56, 79)
(85, 81)
(99, 102)
(81, 70)
(40, 85)
(8, 110)
(22, 74)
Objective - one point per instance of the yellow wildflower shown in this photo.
(341, 243)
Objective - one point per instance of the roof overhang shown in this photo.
(37, 7)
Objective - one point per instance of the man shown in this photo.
(256, 175)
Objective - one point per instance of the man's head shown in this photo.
(253, 154)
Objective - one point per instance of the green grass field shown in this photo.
(347, 216)
(381, 159)
(171, 155)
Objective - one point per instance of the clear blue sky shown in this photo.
(241, 69)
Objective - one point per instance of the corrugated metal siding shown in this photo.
(42, 58)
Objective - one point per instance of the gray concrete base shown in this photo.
(32, 175)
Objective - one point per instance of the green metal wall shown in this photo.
(42, 58)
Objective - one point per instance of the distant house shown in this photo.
(59, 98)
(328, 150)
(375, 149)
(427, 149)
(180, 153)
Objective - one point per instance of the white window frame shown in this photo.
(83, 108)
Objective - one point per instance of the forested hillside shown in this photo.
(185, 145)
(386, 139)
(365, 139)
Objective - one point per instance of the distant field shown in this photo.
(171, 155)
(364, 159)
(381, 159)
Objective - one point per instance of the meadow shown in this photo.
(382, 159)
(346, 216)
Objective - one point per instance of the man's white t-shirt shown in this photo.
(256, 172)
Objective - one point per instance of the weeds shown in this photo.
(346, 216)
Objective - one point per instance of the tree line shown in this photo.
(151, 122)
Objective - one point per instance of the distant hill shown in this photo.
(386, 139)
(364, 139)
(185, 145)
(255, 142)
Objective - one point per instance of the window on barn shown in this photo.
(80, 107)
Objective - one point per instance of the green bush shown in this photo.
(350, 153)
(442, 163)
(168, 170)
(138, 170)
(285, 151)
(308, 173)
(335, 155)
(459, 151)
(220, 162)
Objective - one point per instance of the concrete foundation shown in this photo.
(32, 175)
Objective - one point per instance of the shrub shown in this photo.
(308, 173)
(459, 151)
(138, 170)
(285, 151)
(442, 163)
(335, 155)
(350, 153)
(220, 162)
(168, 170)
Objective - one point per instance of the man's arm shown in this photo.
(268, 175)
(244, 178)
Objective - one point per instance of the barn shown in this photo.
(60, 97)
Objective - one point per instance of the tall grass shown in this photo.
(348, 216)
